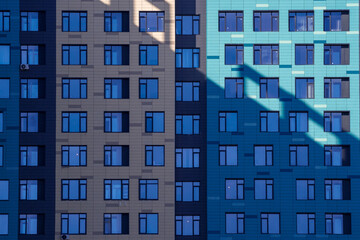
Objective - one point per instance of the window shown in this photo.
(235, 223)
(228, 155)
(4, 87)
(305, 189)
(31, 89)
(148, 88)
(188, 124)
(187, 25)
(152, 21)
(116, 54)
(154, 156)
(73, 224)
(30, 21)
(234, 189)
(28, 224)
(227, 121)
(116, 223)
(305, 223)
(269, 121)
(264, 189)
(304, 54)
(337, 155)
(30, 54)
(299, 155)
(188, 58)
(337, 189)
(234, 88)
(149, 55)
(270, 223)
(29, 155)
(116, 21)
(301, 21)
(116, 189)
(74, 21)
(187, 191)
(187, 157)
(73, 189)
(187, 225)
(337, 121)
(336, 88)
(304, 88)
(269, 88)
(336, 21)
(148, 189)
(4, 192)
(337, 223)
(336, 54)
(234, 54)
(266, 21)
(116, 155)
(4, 21)
(74, 55)
(1, 130)
(29, 121)
(4, 54)
(154, 122)
(116, 121)
(74, 156)
(28, 190)
(187, 91)
(231, 21)
(148, 223)
(74, 88)
(116, 88)
(266, 54)
(263, 155)
(298, 121)
(74, 122)
(4, 224)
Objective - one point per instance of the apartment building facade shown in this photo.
(179, 119)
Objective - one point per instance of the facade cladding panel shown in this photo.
(256, 215)
(136, 135)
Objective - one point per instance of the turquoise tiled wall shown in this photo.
(248, 119)
(10, 137)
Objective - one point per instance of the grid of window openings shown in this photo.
(298, 121)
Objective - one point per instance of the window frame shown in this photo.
(272, 19)
(307, 20)
(82, 16)
(241, 16)
(124, 186)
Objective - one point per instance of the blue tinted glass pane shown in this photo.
(73, 224)
(273, 122)
(187, 58)
(74, 55)
(151, 22)
(301, 190)
(116, 22)
(158, 122)
(231, 189)
(152, 88)
(256, 24)
(231, 155)
(257, 57)
(260, 156)
(4, 88)
(74, 22)
(273, 88)
(336, 88)
(116, 87)
(300, 55)
(187, 191)
(187, 22)
(74, 189)
(152, 55)
(335, 21)
(152, 223)
(230, 55)
(302, 156)
(116, 55)
(230, 22)
(4, 225)
(231, 122)
(230, 88)
(74, 88)
(4, 55)
(274, 223)
(336, 122)
(266, 21)
(302, 122)
(4, 190)
(266, 55)
(74, 120)
(336, 55)
(260, 189)
(188, 225)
